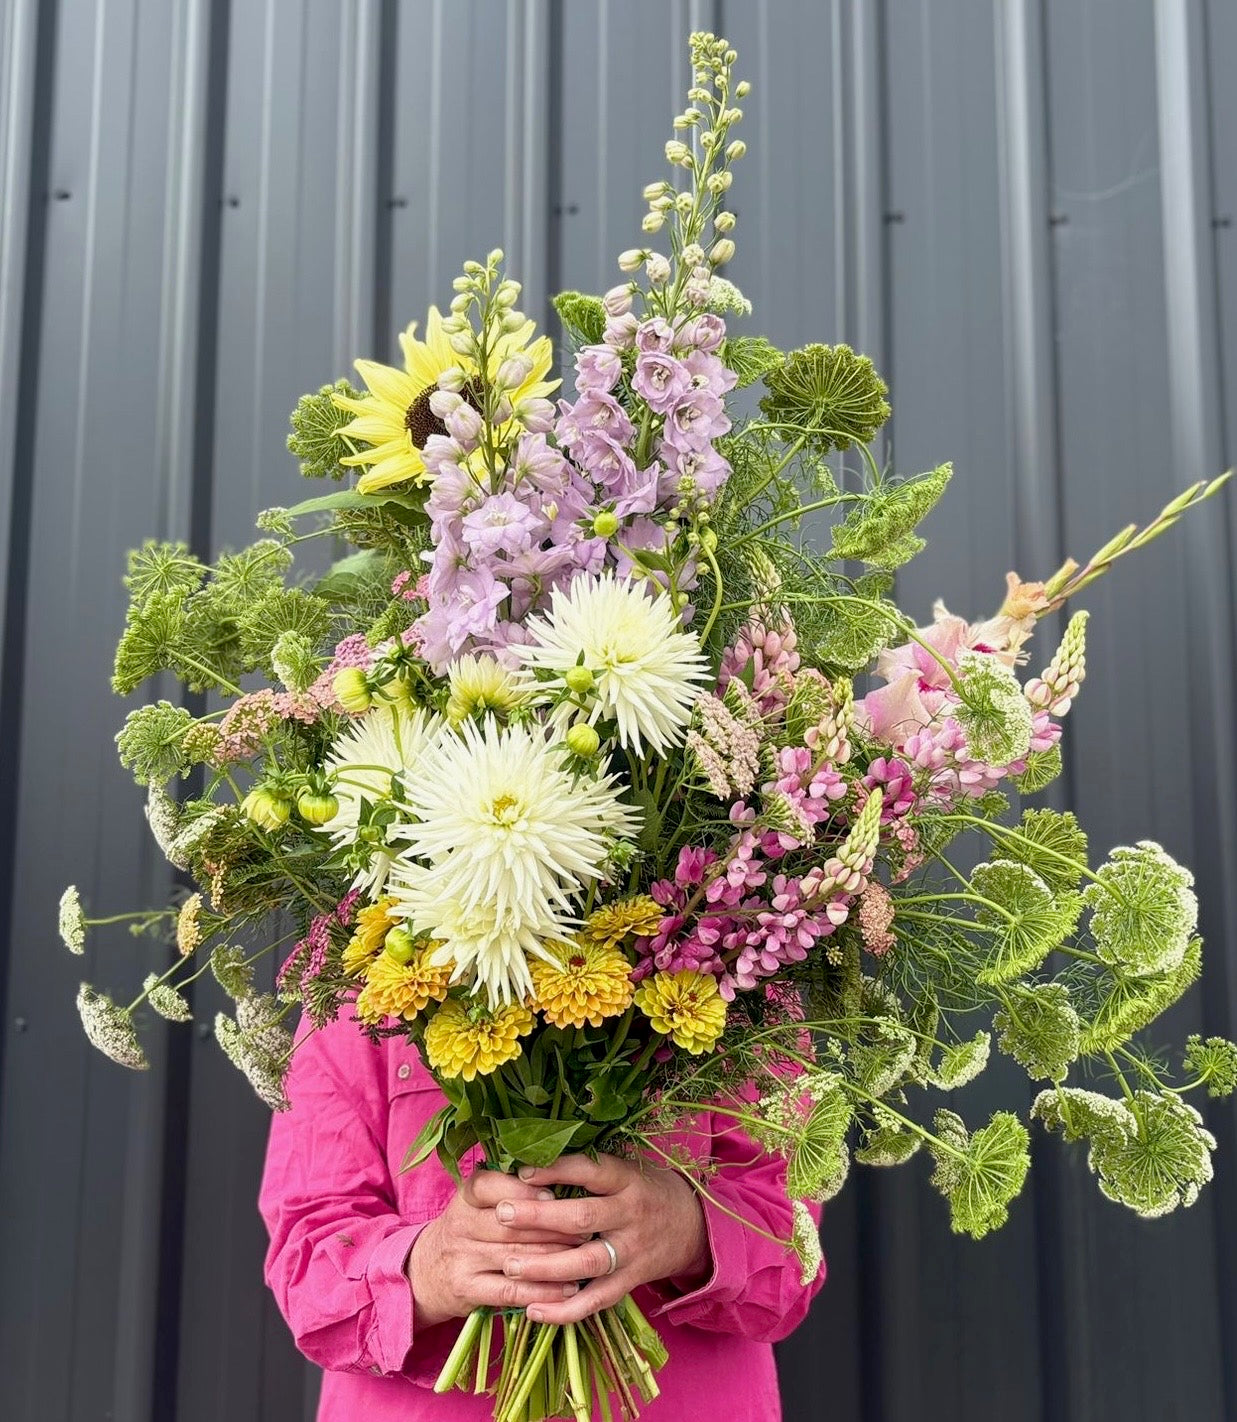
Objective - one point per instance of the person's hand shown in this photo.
(457, 1261)
(651, 1218)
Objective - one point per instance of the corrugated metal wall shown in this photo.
(1024, 210)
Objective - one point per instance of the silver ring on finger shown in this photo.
(611, 1251)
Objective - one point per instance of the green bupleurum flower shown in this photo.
(828, 394)
(1143, 910)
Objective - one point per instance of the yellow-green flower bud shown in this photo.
(722, 251)
(399, 944)
(578, 680)
(606, 524)
(351, 687)
(316, 809)
(583, 740)
(266, 809)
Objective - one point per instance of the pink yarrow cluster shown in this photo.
(308, 957)
(503, 542)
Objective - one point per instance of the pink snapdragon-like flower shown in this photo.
(660, 380)
(501, 524)
(771, 654)
(598, 369)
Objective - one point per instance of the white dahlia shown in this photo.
(500, 839)
(646, 669)
(361, 764)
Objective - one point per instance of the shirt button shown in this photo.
(404, 1072)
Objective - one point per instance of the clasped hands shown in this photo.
(507, 1242)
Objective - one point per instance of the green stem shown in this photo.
(458, 1355)
(717, 595)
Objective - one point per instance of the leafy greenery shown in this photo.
(583, 317)
(315, 440)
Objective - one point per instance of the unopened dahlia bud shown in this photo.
(578, 680)
(400, 945)
(351, 688)
(266, 809)
(583, 740)
(606, 524)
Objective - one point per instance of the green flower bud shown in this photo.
(266, 809)
(399, 944)
(578, 679)
(606, 524)
(583, 740)
(316, 809)
(351, 689)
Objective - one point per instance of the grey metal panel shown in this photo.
(79, 1182)
(1114, 384)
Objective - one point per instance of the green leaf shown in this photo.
(605, 1102)
(584, 317)
(750, 357)
(979, 1174)
(532, 1140)
(427, 1141)
(349, 500)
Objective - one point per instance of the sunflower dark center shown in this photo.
(421, 422)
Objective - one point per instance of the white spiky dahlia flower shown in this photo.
(646, 669)
(501, 838)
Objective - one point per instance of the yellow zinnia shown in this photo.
(611, 924)
(470, 1042)
(587, 982)
(395, 989)
(685, 1006)
(394, 419)
(372, 925)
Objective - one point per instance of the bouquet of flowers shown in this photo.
(562, 775)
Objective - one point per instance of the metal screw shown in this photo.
(1058, 219)
(62, 194)
(891, 218)
(20, 1024)
(397, 202)
(1223, 220)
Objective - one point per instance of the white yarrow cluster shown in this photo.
(110, 1028)
(500, 839)
(163, 817)
(805, 1238)
(647, 670)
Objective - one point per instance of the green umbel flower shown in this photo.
(1124, 1003)
(994, 715)
(158, 567)
(233, 974)
(880, 530)
(151, 742)
(1143, 910)
(1214, 1060)
(278, 612)
(1052, 843)
(1022, 919)
(1163, 1163)
(818, 1165)
(979, 1174)
(827, 393)
(166, 1001)
(1040, 1029)
(110, 1028)
(315, 438)
(294, 660)
(259, 1046)
(805, 1239)
(887, 1143)
(961, 1063)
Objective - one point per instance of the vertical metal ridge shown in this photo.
(536, 142)
(358, 169)
(1195, 399)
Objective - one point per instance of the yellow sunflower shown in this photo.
(587, 982)
(470, 1041)
(686, 1007)
(372, 923)
(394, 419)
(611, 923)
(395, 989)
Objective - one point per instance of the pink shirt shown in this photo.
(342, 1220)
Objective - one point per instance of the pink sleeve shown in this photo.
(338, 1245)
(755, 1289)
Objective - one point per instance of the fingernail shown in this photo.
(525, 1172)
(512, 1268)
(545, 1194)
(535, 1314)
(505, 1211)
(569, 1289)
